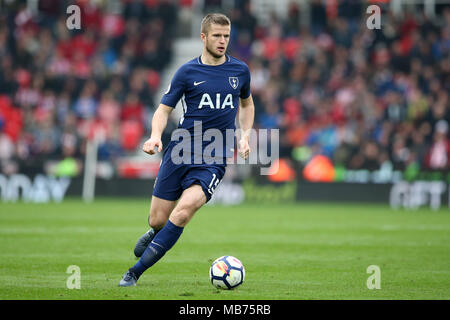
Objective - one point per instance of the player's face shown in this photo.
(216, 40)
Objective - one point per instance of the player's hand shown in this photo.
(244, 149)
(150, 145)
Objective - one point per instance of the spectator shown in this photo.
(438, 157)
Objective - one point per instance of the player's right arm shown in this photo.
(168, 102)
(159, 123)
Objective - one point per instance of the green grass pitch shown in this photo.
(291, 251)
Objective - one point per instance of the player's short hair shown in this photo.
(216, 18)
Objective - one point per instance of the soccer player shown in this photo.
(212, 87)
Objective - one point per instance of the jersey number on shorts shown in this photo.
(213, 184)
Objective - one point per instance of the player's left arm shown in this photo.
(246, 118)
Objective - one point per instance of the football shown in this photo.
(227, 272)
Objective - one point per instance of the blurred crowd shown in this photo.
(59, 86)
(332, 86)
(361, 97)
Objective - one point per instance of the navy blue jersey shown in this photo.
(209, 96)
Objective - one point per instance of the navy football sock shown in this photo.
(163, 241)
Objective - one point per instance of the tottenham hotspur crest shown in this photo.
(234, 82)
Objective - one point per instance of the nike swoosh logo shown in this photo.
(197, 83)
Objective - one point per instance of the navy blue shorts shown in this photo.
(173, 179)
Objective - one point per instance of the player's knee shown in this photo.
(181, 216)
(157, 221)
(157, 225)
(160, 211)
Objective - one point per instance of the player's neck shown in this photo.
(210, 60)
